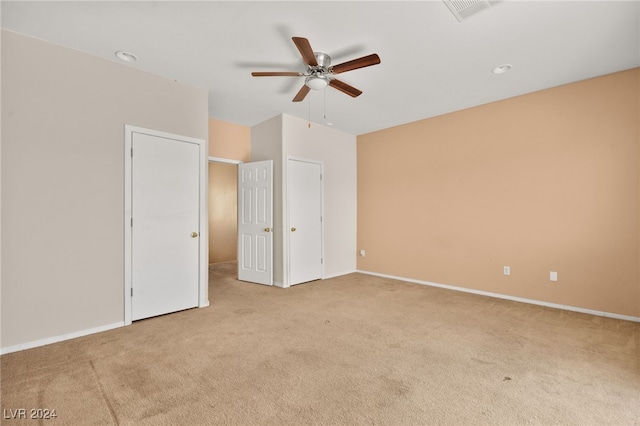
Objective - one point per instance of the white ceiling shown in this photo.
(431, 63)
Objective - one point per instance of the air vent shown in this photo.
(463, 9)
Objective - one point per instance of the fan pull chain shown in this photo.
(309, 123)
(324, 107)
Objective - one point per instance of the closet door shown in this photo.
(304, 199)
(165, 226)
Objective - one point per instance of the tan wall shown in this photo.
(63, 117)
(233, 142)
(223, 212)
(229, 140)
(542, 182)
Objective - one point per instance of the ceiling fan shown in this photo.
(320, 73)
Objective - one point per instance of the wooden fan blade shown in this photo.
(306, 51)
(276, 74)
(365, 61)
(345, 88)
(302, 93)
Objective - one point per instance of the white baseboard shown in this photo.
(55, 339)
(326, 277)
(507, 297)
(339, 274)
(68, 336)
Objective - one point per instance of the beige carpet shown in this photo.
(350, 350)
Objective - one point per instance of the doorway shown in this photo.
(223, 210)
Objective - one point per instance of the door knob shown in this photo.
(267, 229)
(194, 235)
(293, 229)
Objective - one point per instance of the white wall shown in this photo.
(337, 150)
(284, 136)
(63, 117)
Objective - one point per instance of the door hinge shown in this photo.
(321, 260)
(131, 221)
(320, 176)
(131, 291)
(131, 152)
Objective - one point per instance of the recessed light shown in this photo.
(501, 69)
(329, 123)
(126, 56)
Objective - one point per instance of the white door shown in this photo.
(165, 186)
(255, 222)
(304, 198)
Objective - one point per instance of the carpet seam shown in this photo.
(104, 395)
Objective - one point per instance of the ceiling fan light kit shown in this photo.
(317, 82)
(320, 73)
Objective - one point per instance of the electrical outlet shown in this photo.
(362, 253)
(553, 276)
(507, 270)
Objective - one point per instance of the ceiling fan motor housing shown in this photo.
(318, 75)
(324, 60)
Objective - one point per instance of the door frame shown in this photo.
(223, 160)
(203, 274)
(286, 232)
